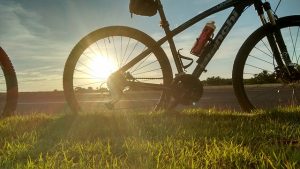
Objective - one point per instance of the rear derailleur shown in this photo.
(117, 83)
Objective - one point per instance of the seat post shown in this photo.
(165, 25)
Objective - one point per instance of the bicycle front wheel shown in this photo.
(258, 82)
(9, 86)
(103, 52)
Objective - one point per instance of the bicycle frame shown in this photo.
(239, 7)
(210, 50)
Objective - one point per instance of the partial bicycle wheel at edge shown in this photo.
(9, 86)
(256, 83)
(103, 52)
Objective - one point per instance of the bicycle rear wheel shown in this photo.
(257, 80)
(101, 53)
(8, 86)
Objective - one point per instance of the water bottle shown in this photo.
(203, 39)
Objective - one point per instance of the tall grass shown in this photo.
(194, 138)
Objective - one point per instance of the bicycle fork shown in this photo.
(275, 39)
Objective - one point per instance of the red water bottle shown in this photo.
(203, 39)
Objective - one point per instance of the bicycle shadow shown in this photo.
(199, 124)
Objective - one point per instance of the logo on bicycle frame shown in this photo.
(223, 32)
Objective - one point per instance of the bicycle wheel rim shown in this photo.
(8, 86)
(261, 85)
(85, 84)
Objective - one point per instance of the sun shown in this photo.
(101, 67)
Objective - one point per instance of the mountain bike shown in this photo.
(9, 86)
(119, 67)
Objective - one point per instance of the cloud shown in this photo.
(38, 35)
(17, 24)
(31, 45)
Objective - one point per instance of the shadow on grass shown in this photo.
(199, 124)
(256, 128)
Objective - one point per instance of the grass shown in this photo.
(194, 138)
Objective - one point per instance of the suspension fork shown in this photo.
(278, 36)
(275, 39)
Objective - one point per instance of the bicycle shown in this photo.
(130, 69)
(9, 86)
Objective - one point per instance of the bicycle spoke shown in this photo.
(92, 51)
(86, 73)
(116, 53)
(87, 56)
(85, 66)
(146, 71)
(268, 48)
(261, 59)
(106, 46)
(136, 44)
(259, 68)
(151, 63)
(264, 52)
(99, 49)
(144, 60)
(121, 44)
(292, 40)
(126, 58)
(136, 60)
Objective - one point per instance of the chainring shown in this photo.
(186, 89)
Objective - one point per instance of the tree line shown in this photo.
(261, 78)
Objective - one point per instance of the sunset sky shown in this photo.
(38, 35)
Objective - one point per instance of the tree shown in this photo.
(265, 77)
(214, 81)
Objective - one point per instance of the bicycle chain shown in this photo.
(145, 78)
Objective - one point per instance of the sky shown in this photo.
(38, 35)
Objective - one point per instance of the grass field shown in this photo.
(192, 139)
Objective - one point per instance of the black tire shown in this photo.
(9, 86)
(112, 43)
(255, 65)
